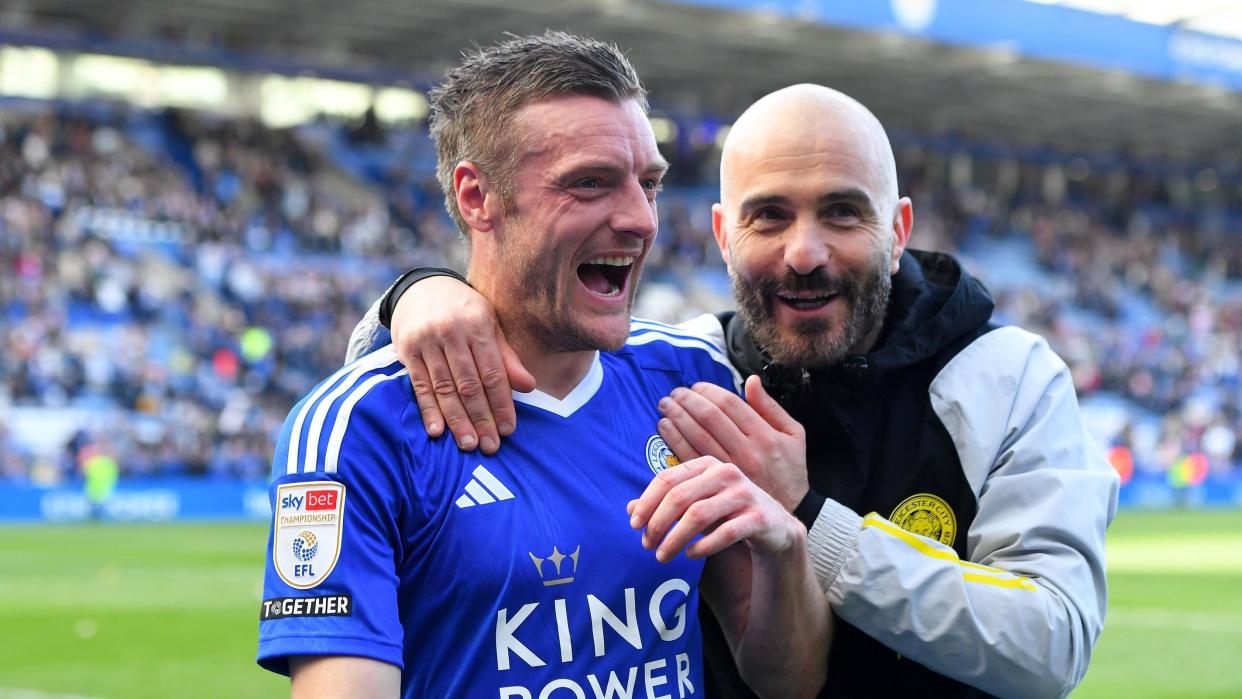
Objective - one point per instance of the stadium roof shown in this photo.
(1221, 17)
(704, 55)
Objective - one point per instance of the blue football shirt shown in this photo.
(515, 575)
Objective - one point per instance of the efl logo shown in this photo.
(321, 500)
(306, 540)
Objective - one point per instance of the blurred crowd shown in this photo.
(1137, 284)
(172, 300)
(172, 283)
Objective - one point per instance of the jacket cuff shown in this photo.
(831, 540)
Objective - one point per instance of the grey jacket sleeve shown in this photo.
(1020, 617)
(369, 335)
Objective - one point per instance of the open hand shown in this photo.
(461, 367)
(756, 434)
(709, 497)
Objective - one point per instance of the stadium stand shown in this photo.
(179, 321)
(198, 199)
(174, 281)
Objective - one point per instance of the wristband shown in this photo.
(808, 510)
(404, 282)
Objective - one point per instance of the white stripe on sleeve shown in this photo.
(332, 456)
(376, 360)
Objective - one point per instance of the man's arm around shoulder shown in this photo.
(758, 579)
(343, 677)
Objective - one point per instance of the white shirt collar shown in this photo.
(575, 399)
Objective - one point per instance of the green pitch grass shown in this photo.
(135, 611)
(1174, 627)
(122, 611)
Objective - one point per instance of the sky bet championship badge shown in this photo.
(308, 531)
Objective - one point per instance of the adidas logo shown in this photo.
(483, 489)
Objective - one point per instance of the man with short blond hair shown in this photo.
(401, 565)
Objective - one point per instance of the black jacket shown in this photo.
(872, 439)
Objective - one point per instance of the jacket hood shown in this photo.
(933, 302)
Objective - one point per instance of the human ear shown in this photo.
(722, 236)
(477, 199)
(903, 223)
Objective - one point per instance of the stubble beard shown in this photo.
(547, 312)
(813, 343)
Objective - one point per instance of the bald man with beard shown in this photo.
(955, 504)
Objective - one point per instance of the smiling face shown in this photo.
(563, 259)
(810, 225)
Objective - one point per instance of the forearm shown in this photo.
(1020, 616)
(342, 677)
(783, 651)
(758, 579)
(1020, 620)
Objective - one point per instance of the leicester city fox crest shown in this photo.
(659, 456)
(926, 515)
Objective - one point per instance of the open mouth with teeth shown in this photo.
(606, 276)
(805, 300)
